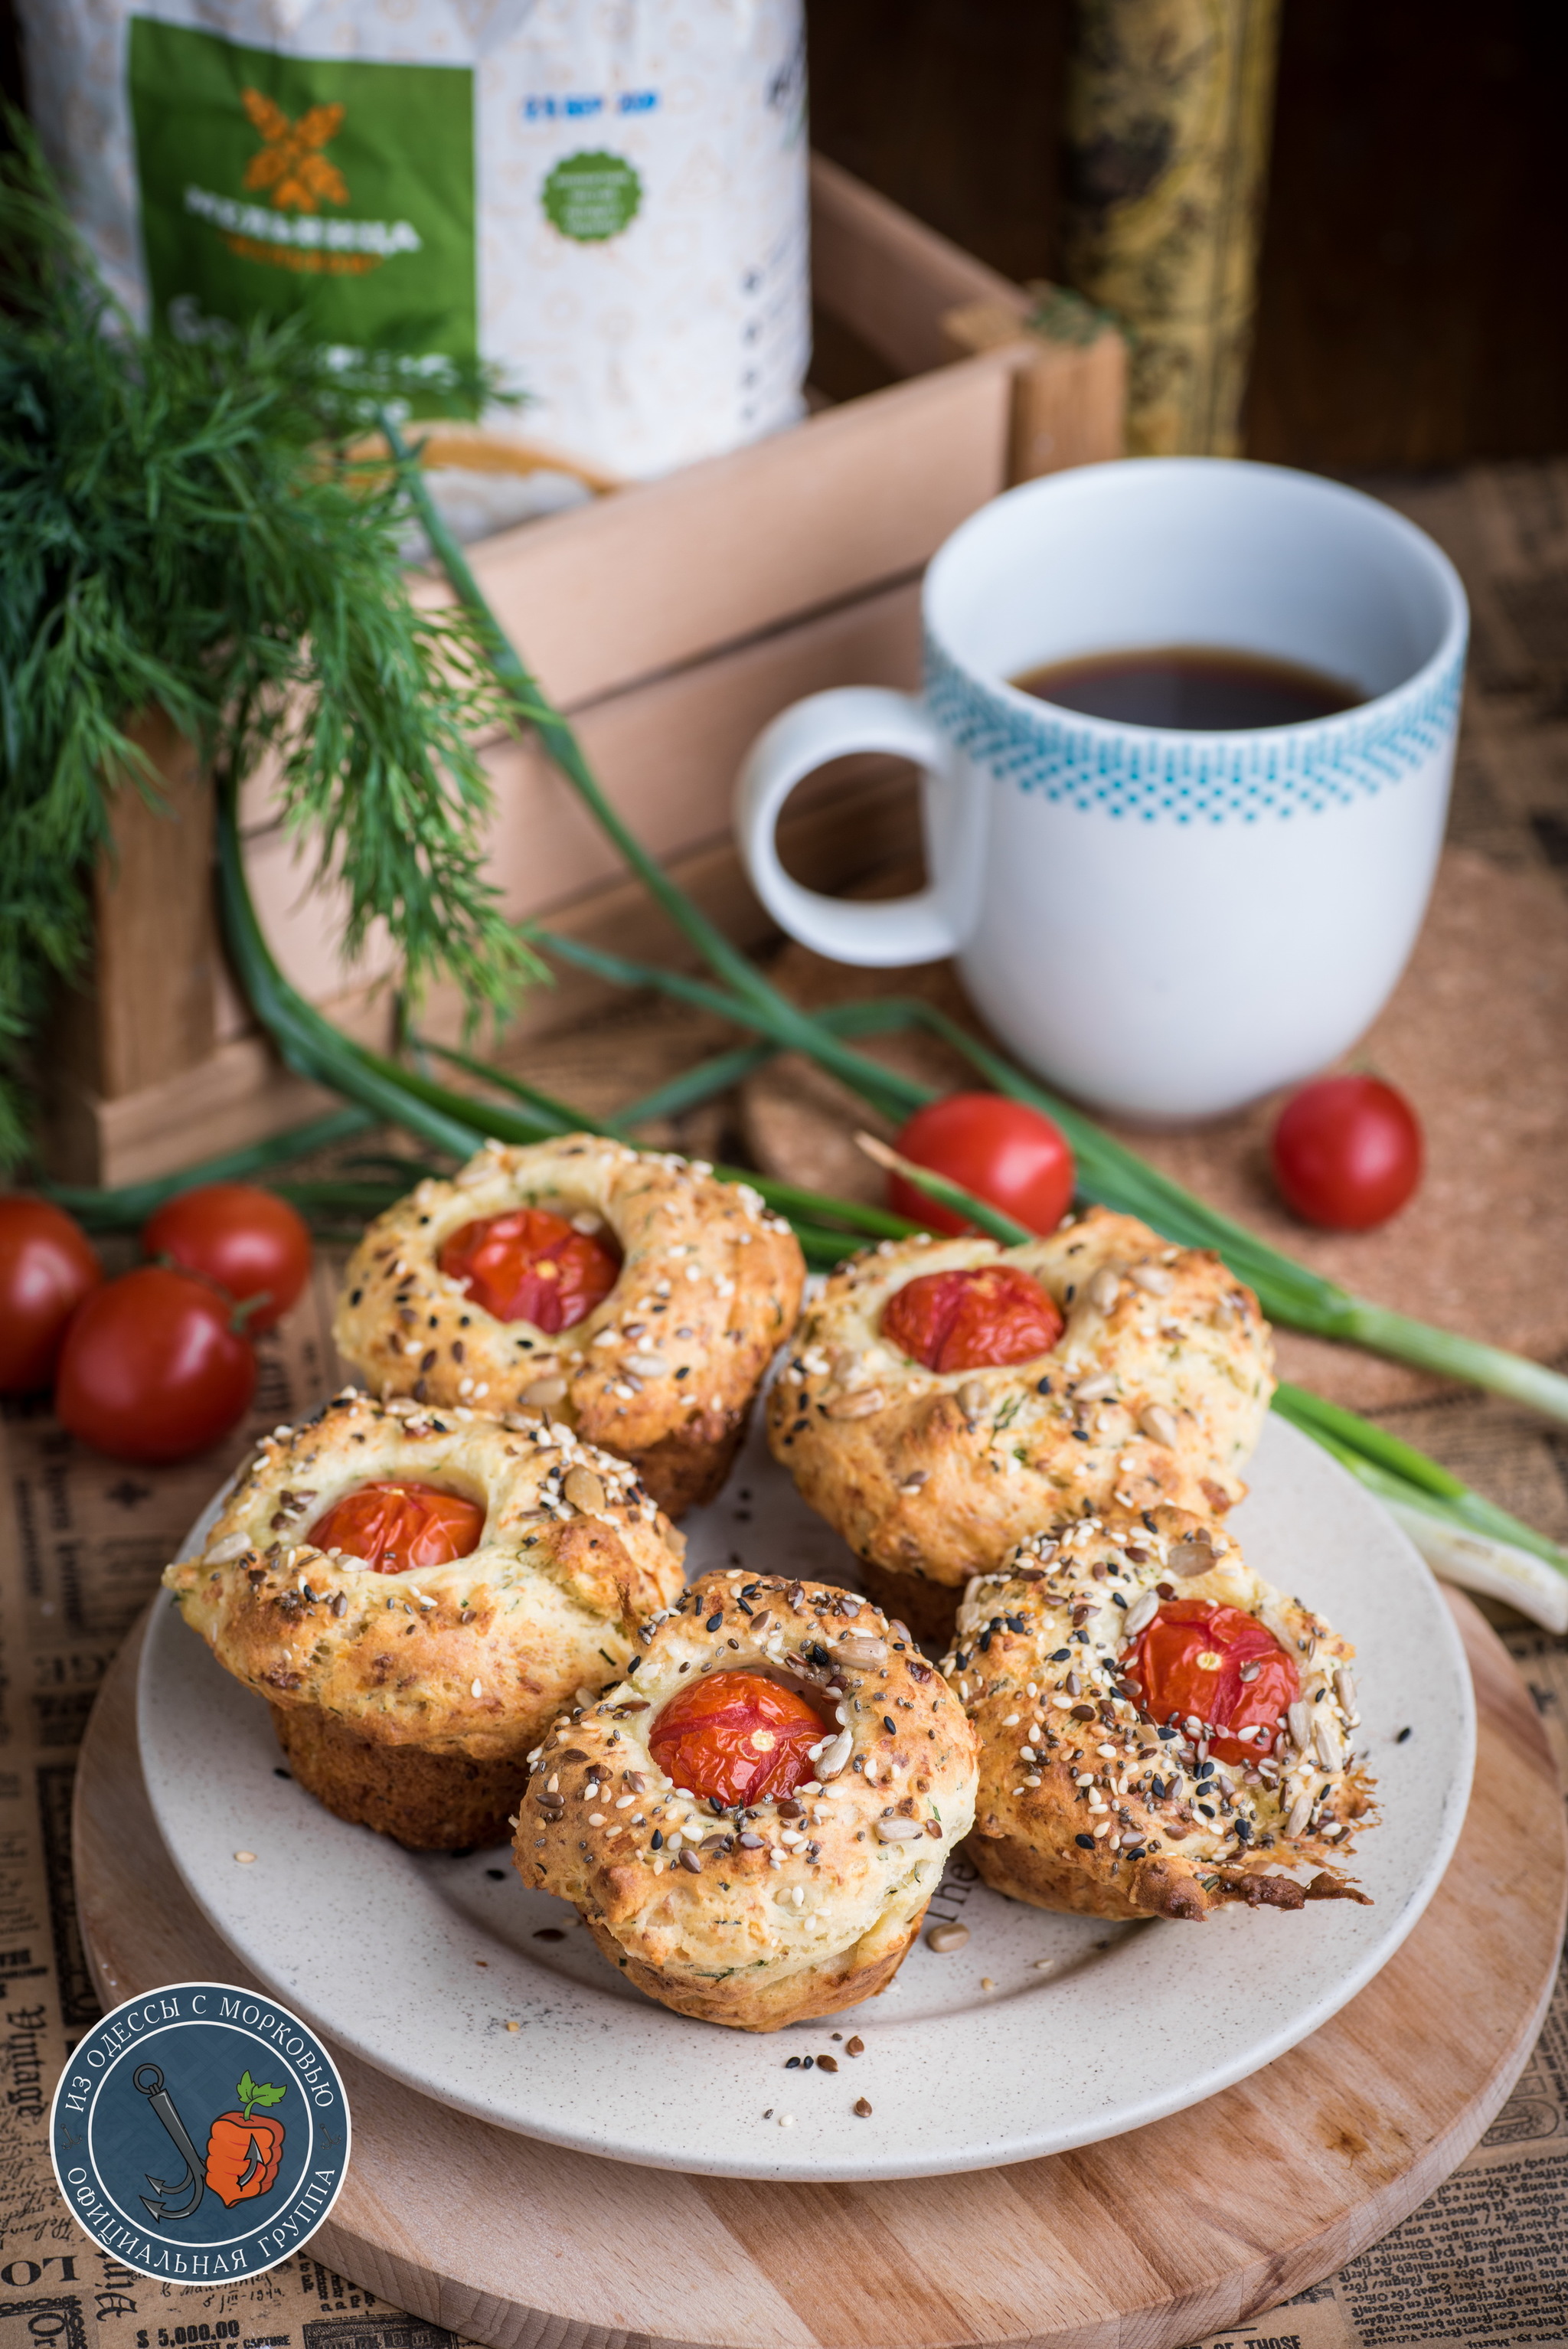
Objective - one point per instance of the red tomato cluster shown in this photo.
(1007, 1154)
(392, 1527)
(1189, 1661)
(530, 1266)
(972, 1319)
(157, 1364)
(736, 1738)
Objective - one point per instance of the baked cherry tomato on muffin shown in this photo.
(736, 1738)
(1007, 1154)
(975, 1318)
(1346, 1152)
(247, 1242)
(531, 1266)
(394, 1527)
(152, 1368)
(1194, 1658)
(47, 1264)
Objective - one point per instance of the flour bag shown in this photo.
(605, 198)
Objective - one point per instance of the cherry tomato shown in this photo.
(974, 1319)
(1007, 1154)
(530, 1266)
(393, 1526)
(152, 1369)
(1347, 1153)
(245, 1241)
(1189, 1660)
(47, 1264)
(736, 1738)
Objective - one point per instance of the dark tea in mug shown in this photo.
(1198, 689)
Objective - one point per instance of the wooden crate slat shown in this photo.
(854, 497)
(886, 274)
(666, 752)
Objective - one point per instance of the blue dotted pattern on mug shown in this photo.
(1340, 761)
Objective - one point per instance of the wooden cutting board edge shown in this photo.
(1153, 2239)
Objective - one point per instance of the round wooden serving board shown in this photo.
(1160, 2237)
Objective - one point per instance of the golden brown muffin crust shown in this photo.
(760, 1919)
(1155, 1393)
(661, 1373)
(469, 1659)
(1085, 1803)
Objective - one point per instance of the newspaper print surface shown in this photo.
(1482, 2265)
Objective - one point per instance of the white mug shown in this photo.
(1165, 924)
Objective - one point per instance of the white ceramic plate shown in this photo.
(1043, 2033)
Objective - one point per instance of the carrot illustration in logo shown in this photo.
(243, 2152)
(290, 161)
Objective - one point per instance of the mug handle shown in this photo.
(804, 737)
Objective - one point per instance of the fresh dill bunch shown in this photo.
(178, 528)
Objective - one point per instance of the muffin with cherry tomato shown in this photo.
(1160, 1733)
(752, 1821)
(416, 1594)
(627, 1292)
(946, 1398)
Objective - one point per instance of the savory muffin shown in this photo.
(1160, 1730)
(416, 1594)
(627, 1292)
(753, 1820)
(946, 1398)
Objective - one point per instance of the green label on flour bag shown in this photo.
(275, 184)
(590, 197)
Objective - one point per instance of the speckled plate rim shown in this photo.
(420, 1965)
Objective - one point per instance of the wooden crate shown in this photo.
(671, 620)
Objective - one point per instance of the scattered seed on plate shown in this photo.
(244, 1858)
(862, 2109)
(944, 1938)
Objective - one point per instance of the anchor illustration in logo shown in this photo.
(243, 2151)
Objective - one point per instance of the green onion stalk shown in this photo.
(1107, 1171)
(457, 1123)
(1463, 1537)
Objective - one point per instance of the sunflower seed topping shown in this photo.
(858, 1403)
(1142, 1614)
(584, 1489)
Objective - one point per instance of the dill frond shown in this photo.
(179, 532)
